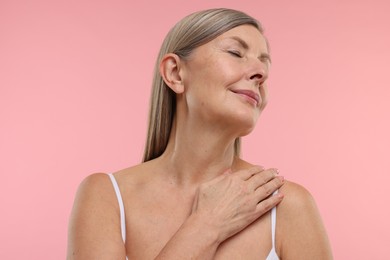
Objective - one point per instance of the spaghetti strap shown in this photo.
(121, 207)
(272, 254)
(273, 222)
(273, 225)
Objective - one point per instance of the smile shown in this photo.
(249, 95)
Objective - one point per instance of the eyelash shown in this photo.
(235, 53)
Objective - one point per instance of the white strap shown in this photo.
(273, 222)
(121, 207)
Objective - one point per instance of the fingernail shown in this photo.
(261, 168)
(281, 178)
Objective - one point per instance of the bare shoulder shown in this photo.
(94, 227)
(137, 174)
(297, 198)
(300, 231)
(96, 183)
(96, 190)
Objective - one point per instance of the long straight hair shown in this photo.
(191, 32)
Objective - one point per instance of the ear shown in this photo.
(170, 72)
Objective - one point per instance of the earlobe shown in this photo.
(170, 72)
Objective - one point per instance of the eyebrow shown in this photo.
(246, 47)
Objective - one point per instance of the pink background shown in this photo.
(74, 87)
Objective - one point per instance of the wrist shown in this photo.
(201, 227)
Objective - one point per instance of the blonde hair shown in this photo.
(192, 31)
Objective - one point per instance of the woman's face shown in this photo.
(224, 80)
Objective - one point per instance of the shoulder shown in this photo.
(297, 209)
(297, 198)
(94, 227)
(96, 189)
(300, 231)
(95, 182)
(95, 194)
(99, 190)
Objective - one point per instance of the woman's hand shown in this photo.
(223, 207)
(233, 200)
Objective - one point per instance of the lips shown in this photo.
(249, 94)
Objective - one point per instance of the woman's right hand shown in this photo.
(233, 200)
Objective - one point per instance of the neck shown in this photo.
(195, 155)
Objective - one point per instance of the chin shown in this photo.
(241, 121)
(245, 132)
(245, 124)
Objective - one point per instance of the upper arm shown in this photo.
(299, 226)
(94, 227)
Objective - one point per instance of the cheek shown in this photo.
(207, 82)
(230, 72)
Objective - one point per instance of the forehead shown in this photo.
(248, 34)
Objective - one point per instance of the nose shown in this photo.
(258, 72)
(258, 77)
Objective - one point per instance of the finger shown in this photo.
(248, 173)
(267, 204)
(262, 178)
(270, 187)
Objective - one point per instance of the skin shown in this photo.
(197, 200)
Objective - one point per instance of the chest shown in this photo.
(151, 226)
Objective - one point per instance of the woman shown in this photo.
(193, 197)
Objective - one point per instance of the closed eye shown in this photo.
(235, 54)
